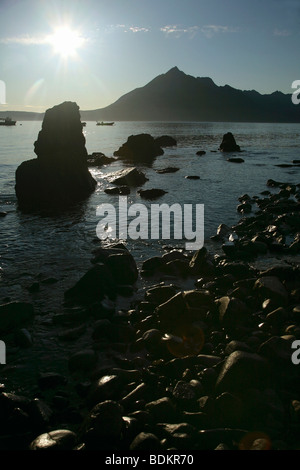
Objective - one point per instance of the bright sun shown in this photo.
(66, 42)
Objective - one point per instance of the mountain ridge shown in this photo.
(176, 96)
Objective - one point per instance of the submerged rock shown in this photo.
(59, 176)
(235, 160)
(151, 193)
(169, 169)
(166, 141)
(192, 177)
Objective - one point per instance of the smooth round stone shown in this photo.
(61, 439)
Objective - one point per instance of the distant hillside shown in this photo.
(175, 96)
(22, 115)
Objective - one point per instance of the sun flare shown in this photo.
(66, 42)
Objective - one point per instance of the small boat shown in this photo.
(7, 122)
(101, 123)
(83, 124)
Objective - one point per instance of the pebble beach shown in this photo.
(202, 358)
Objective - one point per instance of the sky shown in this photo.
(94, 51)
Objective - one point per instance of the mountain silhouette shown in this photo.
(175, 96)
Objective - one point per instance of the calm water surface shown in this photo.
(62, 243)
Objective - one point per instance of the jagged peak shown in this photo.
(175, 70)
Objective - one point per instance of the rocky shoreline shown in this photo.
(200, 360)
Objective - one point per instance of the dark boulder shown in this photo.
(59, 176)
(113, 267)
(104, 423)
(139, 148)
(244, 208)
(229, 144)
(122, 267)
(201, 263)
(60, 439)
(94, 285)
(242, 370)
(273, 184)
(172, 312)
(104, 388)
(145, 441)
(270, 287)
(160, 294)
(99, 159)
(183, 309)
(128, 177)
(233, 313)
(152, 265)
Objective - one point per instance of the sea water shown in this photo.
(63, 242)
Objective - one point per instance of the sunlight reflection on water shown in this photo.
(64, 242)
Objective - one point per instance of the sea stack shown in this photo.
(59, 176)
